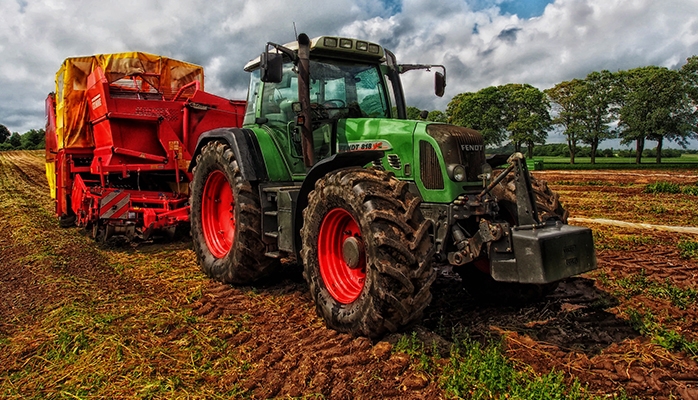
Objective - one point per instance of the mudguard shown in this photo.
(244, 144)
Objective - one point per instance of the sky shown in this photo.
(481, 42)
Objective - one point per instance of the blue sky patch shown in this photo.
(524, 8)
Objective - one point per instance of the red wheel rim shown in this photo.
(343, 282)
(217, 215)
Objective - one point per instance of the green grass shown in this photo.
(477, 371)
(648, 325)
(688, 249)
(484, 372)
(637, 284)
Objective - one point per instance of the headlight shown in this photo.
(457, 172)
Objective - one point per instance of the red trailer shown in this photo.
(121, 131)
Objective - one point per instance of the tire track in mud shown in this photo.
(292, 353)
(628, 361)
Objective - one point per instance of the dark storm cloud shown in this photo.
(508, 35)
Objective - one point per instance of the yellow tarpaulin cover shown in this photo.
(163, 74)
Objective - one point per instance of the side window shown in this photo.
(371, 95)
(391, 94)
(251, 111)
(277, 98)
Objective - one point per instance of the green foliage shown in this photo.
(648, 325)
(671, 188)
(34, 139)
(477, 372)
(513, 112)
(4, 133)
(655, 105)
(641, 284)
(662, 187)
(688, 249)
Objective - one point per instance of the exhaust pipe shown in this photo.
(305, 115)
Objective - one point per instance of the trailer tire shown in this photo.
(229, 249)
(66, 221)
(367, 252)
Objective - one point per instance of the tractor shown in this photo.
(326, 170)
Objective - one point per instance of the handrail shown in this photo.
(192, 83)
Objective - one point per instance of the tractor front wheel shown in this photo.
(226, 219)
(367, 252)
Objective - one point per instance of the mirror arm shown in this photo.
(402, 68)
(290, 53)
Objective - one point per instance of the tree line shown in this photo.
(647, 103)
(34, 139)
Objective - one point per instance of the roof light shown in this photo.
(373, 48)
(345, 43)
(361, 46)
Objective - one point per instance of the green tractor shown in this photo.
(327, 170)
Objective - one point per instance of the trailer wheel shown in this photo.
(367, 252)
(476, 277)
(226, 219)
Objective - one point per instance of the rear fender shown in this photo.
(245, 146)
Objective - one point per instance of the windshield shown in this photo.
(340, 89)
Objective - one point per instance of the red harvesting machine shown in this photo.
(120, 134)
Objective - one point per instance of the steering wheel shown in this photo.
(334, 103)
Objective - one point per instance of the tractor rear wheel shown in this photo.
(367, 252)
(476, 277)
(226, 219)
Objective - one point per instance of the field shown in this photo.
(124, 320)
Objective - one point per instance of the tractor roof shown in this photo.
(334, 46)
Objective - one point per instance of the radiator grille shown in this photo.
(429, 167)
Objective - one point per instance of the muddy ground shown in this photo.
(137, 315)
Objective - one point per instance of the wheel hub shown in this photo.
(353, 252)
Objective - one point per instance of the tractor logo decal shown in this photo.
(366, 145)
(472, 147)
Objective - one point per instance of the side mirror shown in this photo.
(271, 67)
(439, 84)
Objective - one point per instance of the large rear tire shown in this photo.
(367, 252)
(226, 219)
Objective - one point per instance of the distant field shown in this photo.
(687, 161)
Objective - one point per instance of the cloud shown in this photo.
(481, 42)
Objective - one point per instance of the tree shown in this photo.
(413, 112)
(568, 103)
(4, 133)
(655, 105)
(527, 115)
(437, 116)
(483, 110)
(16, 141)
(599, 102)
(34, 139)
(516, 112)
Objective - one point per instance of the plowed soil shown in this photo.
(80, 319)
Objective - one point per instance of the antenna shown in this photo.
(294, 30)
